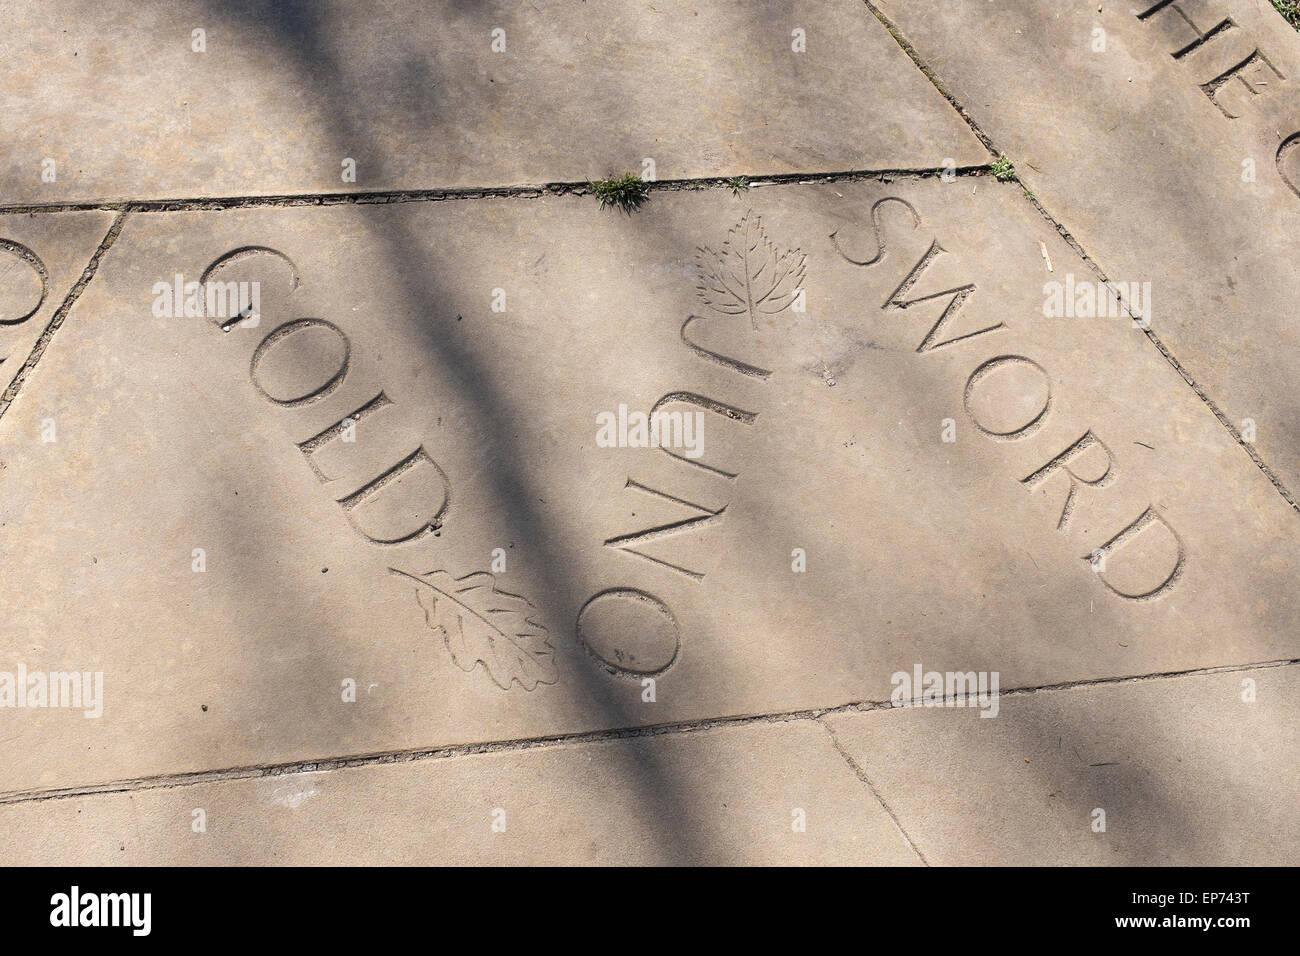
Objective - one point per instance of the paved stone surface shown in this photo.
(339, 518)
(1187, 772)
(418, 97)
(1166, 172)
(761, 794)
(627, 562)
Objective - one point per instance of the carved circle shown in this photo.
(1289, 145)
(23, 287)
(1014, 394)
(307, 372)
(629, 631)
(247, 252)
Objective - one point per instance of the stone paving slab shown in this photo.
(204, 533)
(1166, 137)
(759, 794)
(41, 260)
(1186, 771)
(416, 95)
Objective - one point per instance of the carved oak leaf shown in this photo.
(749, 274)
(480, 624)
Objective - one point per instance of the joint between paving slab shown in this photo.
(861, 774)
(61, 313)
(1169, 356)
(1223, 420)
(914, 55)
(1088, 260)
(583, 188)
(256, 771)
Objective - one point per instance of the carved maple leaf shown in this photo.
(749, 274)
(480, 624)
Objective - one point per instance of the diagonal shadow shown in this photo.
(301, 31)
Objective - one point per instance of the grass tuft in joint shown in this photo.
(628, 192)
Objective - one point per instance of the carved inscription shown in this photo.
(1204, 35)
(1086, 464)
(478, 623)
(748, 276)
(352, 491)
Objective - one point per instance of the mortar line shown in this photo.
(866, 781)
(575, 188)
(1088, 260)
(256, 771)
(915, 56)
(1169, 357)
(61, 313)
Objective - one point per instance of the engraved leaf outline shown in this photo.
(481, 624)
(749, 274)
